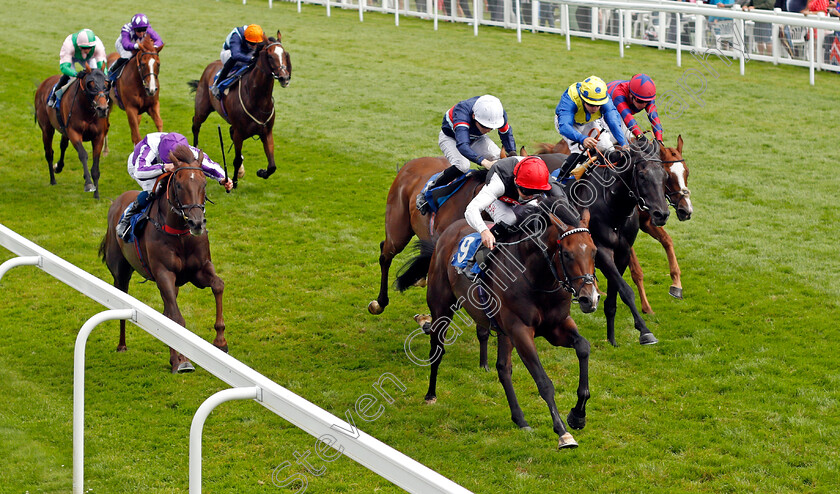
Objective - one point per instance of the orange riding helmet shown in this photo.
(254, 33)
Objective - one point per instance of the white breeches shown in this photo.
(483, 146)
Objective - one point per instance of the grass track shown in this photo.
(741, 395)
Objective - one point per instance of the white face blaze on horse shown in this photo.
(153, 77)
(678, 170)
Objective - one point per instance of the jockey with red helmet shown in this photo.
(128, 42)
(463, 139)
(631, 97)
(240, 48)
(82, 48)
(513, 181)
(151, 158)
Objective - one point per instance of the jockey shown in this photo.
(150, 159)
(631, 97)
(463, 139)
(128, 42)
(83, 48)
(522, 180)
(578, 117)
(239, 48)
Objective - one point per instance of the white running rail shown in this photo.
(350, 441)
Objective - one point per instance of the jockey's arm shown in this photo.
(125, 38)
(462, 142)
(237, 52)
(564, 119)
(506, 136)
(212, 169)
(613, 120)
(655, 124)
(65, 58)
(158, 42)
(480, 202)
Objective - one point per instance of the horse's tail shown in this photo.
(417, 267)
(193, 84)
(103, 246)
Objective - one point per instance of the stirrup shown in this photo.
(422, 204)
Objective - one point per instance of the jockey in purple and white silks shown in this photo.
(82, 48)
(151, 159)
(128, 42)
(239, 49)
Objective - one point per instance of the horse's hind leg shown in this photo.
(120, 269)
(398, 233)
(267, 138)
(639, 280)
(203, 109)
(208, 277)
(62, 148)
(483, 335)
(47, 134)
(667, 242)
(504, 368)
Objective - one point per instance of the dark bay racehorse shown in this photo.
(613, 193)
(403, 221)
(137, 88)
(83, 117)
(528, 304)
(678, 195)
(249, 105)
(172, 249)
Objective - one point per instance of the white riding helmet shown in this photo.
(488, 112)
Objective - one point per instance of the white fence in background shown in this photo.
(770, 36)
(246, 383)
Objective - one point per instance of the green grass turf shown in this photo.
(740, 395)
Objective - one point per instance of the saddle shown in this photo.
(437, 196)
(138, 222)
(237, 74)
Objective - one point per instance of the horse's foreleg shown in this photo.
(208, 277)
(639, 280)
(577, 415)
(504, 369)
(267, 139)
(483, 335)
(94, 169)
(47, 136)
(237, 155)
(667, 242)
(616, 283)
(169, 293)
(62, 148)
(76, 140)
(133, 123)
(441, 302)
(154, 112)
(523, 341)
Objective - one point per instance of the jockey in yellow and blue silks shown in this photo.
(580, 116)
(82, 48)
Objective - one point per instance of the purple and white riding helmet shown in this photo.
(139, 21)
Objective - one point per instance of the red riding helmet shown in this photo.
(642, 87)
(531, 173)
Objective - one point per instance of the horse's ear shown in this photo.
(679, 143)
(522, 151)
(584, 218)
(278, 35)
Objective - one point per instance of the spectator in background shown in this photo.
(763, 31)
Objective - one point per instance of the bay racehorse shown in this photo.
(249, 105)
(614, 192)
(529, 301)
(83, 116)
(403, 221)
(137, 89)
(678, 195)
(171, 250)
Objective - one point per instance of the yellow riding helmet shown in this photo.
(593, 90)
(254, 33)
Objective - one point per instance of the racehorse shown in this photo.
(172, 250)
(251, 111)
(530, 303)
(403, 221)
(678, 195)
(83, 117)
(136, 91)
(614, 192)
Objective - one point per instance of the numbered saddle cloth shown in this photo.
(463, 259)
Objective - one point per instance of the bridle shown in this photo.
(151, 73)
(270, 73)
(669, 194)
(176, 207)
(283, 66)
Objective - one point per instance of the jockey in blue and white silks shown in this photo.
(239, 49)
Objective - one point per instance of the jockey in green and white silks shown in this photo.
(82, 48)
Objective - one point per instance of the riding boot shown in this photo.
(115, 69)
(59, 90)
(135, 207)
(214, 89)
(444, 178)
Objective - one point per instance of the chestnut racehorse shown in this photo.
(531, 303)
(249, 105)
(679, 196)
(172, 249)
(83, 117)
(137, 88)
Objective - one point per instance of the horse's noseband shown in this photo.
(178, 208)
(566, 282)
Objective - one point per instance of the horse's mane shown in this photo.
(147, 44)
(184, 154)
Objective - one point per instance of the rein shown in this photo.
(139, 66)
(177, 208)
(268, 73)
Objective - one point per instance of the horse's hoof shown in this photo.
(431, 400)
(647, 310)
(612, 342)
(90, 188)
(526, 428)
(121, 348)
(427, 328)
(263, 173)
(420, 283)
(567, 441)
(374, 308)
(183, 368)
(422, 319)
(223, 348)
(576, 422)
(52, 182)
(58, 167)
(241, 172)
(647, 339)
(675, 292)
(485, 367)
